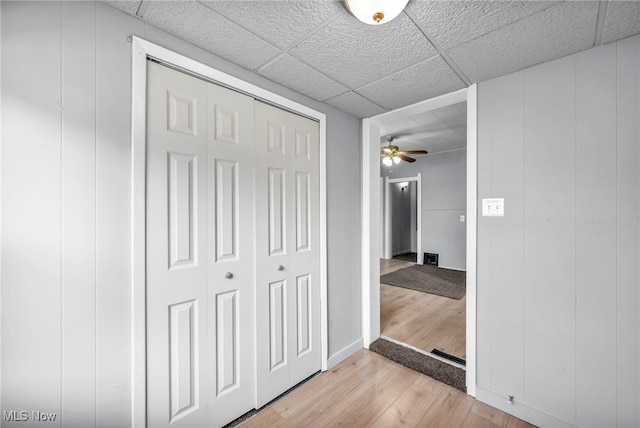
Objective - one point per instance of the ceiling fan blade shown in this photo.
(413, 152)
(406, 158)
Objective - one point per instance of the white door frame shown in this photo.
(142, 50)
(371, 204)
(388, 234)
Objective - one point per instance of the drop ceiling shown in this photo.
(316, 47)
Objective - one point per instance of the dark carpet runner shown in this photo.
(440, 371)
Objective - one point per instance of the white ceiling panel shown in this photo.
(298, 76)
(419, 82)
(129, 6)
(622, 20)
(355, 53)
(211, 31)
(454, 115)
(317, 48)
(450, 23)
(280, 22)
(356, 104)
(553, 33)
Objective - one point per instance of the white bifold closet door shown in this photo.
(200, 252)
(233, 292)
(287, 250)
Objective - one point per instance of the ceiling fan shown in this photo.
(391, 154)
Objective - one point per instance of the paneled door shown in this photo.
(287, 250)
(200, 252)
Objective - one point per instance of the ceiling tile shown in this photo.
(622, 20)
(450, 23)
(298, 76)
(280, 22)
(454, 115)
(195, 23)
(355, 104)
(553, 33)
(355, 53)
(419, 82)
(129, 6)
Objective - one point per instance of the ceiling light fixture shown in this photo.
(376, 12)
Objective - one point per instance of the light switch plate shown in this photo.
(493, 207)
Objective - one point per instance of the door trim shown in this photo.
(388, 235)
(371, 210)
(141, 50)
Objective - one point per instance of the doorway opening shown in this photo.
(375, 247)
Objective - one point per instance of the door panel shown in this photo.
(233, 297)
(287, 257)
(183, 363)
(200, 275)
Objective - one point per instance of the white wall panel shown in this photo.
(78, 213)
(596, 235)
(31, 209)
(97, 351)
(628, 232)
(575, 203)
(549, 238)
(507, 255)
(113, 218)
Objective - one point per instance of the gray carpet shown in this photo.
(442, 372)
(429, 279)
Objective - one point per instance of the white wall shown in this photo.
(558, 277)
(443, 202)
(66, 202)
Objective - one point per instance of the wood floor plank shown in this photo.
(367, 390)
(365, 409)
(425, 321)
(342, 394)
(411, 406)
(484, 416)
(267, 418)
(450, 409)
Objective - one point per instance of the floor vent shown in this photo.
(449, 357)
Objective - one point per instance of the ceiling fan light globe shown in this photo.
(387, 161)
(376, 12)
(396, 159)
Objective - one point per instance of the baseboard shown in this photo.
(519, 410)
(452, 268)
(344, 353)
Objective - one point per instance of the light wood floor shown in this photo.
(367, 390)
(422, 320)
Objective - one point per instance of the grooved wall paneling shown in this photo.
(558, 297)
(66, 210)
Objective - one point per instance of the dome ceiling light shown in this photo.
(376, 12)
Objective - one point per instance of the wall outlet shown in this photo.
(462, 218)
(493, 207)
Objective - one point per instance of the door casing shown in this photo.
(388, 235)
(141, 51)
(371, 210)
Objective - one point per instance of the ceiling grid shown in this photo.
(317, 48)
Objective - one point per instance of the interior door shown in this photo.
(200, 257)
(287, 250)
